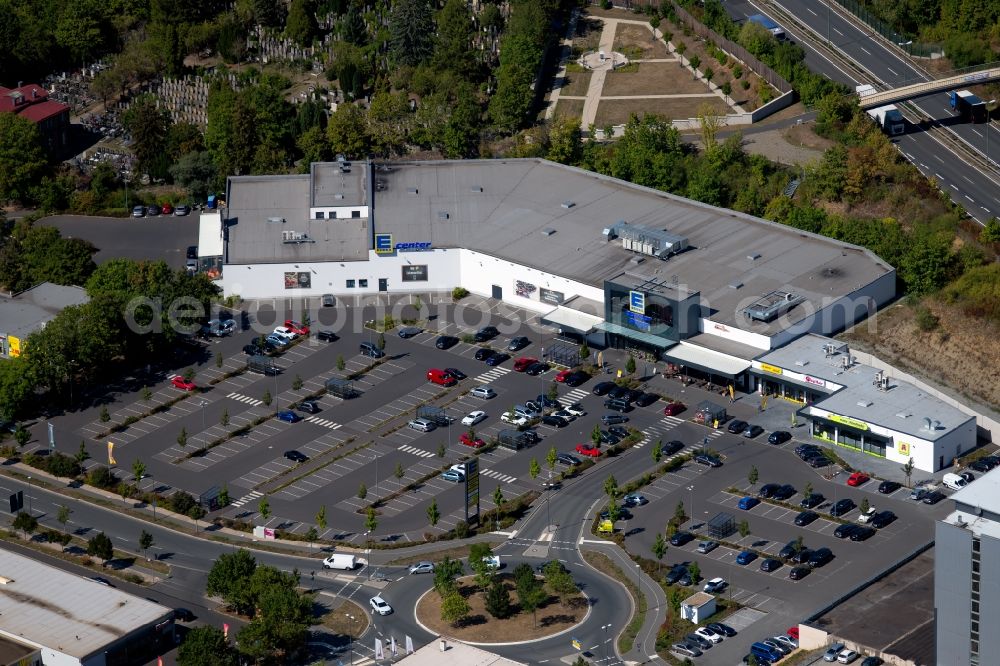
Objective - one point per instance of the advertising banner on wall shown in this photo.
(13, 346)
(550, 296)
(524, 289)
(301, 280)
(415, 273)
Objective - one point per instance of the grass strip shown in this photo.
(603, 563)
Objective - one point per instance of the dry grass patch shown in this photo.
(588, 35)
(653, 78)
(617, 112)
(639, 37)
(335, 618)
(575, 84)
(455, 553)
(803, 135)
(481, 627)
(571, 108)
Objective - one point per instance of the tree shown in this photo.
(614, 511)
(63, 515)
(371, 520)
(229, 579)
(479, 554)
(206, 646)
(138, 470)
(441, 450)
(753, 475)
(340, 363)
(454, 608)
(182, 438)
(445, 573)
(433, 515)
(311, 535)
(25, 522)
(498, 499)
(534, 468)
(218, 359)
(530, 594)
(611, 486)
(22, 436)
(630, 365)
(497, 599)
(595, 435)
(380, 341)
(727, 89)
(807, 489)
(223, 497)
(584, 351)
(744, 528)
(81, 454)
(412, 30)
(296, 383)
(301, 23)
(264, 508)
(908, 470)
(105, 416)
(22, 158)
(195, 171)
(321, 517)
(362, 491)
(399, 472)
(146, 394)
(224, 419)
(145, 542)
(679, 514)
(148, 125)
(100, 547)
(990, 232)
(657, 452)
(565, 145)
(659, 546)
(695, 572)
(865, 506)
(551, 458)
(267, 399)
(348, 131)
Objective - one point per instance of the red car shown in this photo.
(167, 208)
(562, 375)
(521, 364)
(793, 632)
(673, 409)
(296, 328)
(468, 441)
(183, 384)
(857, 479)
(588, 450)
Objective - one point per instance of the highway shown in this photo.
(977, 192)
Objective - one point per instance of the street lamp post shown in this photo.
(691, 490)
(350, 636)
(30, 512)
(202, 404)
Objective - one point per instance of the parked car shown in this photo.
(933, 497)
(768, 490)
(522, 364)
(845, 531)
(747, 503)
(708, 635)
(474, 442)
(646, 399)
(612, 419)
(576, 409)
(785, 492)
(486, 333)
(421, 424)
(484, 392)
(554, 421)
(919, 494)
(720, 628)
(452, 475)
(832, 652)
(297, 328)
(567, 459)
(518, 343)
(770, 564)
(603, 388)
(790, 549)
(820, 556)
(296, 456)
(707, 459)
(707, 546)
(840, 507)
(422, 568)
(847, 657)
(681, 538)
(715, 585)
(805, 518)
(736, 426)
(752, 431)
(882, 519)
(326, 336)
(562, 375)
(672, 447)
(536, 369)
(446, 342)
(588, 450)
(180, 210)
(863, 533)
(564, 415)
(288, 416)
(798, 573)
(514, 418)
(497, 359)
(857, 479)
(686, 649)
(472, 418)
(865, 516)
(577, 378)
(703, 643)
(456, 373)
(139, 211)
(285, 332)
(153, 210)
(483, 353)
(888, 487)
(409, 332)
(617, 405)
(308, 406)
(746, 557)
(181, 383)
(872, 661)
(778, 437)
(674, 408)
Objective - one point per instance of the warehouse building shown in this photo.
(30, 310)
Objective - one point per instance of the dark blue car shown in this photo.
(289, 416)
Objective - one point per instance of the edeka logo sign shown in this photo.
(637, 302)
(773, 369)
(404, 247)
(848, 421)
(383, 244)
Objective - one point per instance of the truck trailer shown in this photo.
(768, 24)
(968, 106)
(889, 119)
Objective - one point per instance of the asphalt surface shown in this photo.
(976, 191)
(164, 237)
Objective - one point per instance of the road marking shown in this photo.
(978, 132)
(406, 448)
(576, 395)
(249, 497)
(506, 478)
(967, 178)
(811, 12)
(838, 32)
(323, 422)
(495, 373)
(890, 69)
(938, 158)
(239, 397)
(970, 198)
(985, 208)
(865, 50)
(939, 176)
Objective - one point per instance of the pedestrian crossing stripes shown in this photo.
(323, 422)
(406, 448)
(576, 395)
(249, 497)
(239, 397)
(490, 375)
(506, 478)
(671, 420)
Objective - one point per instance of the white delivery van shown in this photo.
(340, 561)
(954, 481)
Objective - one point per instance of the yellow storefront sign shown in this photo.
(773, 369)
(904, 448)
(848, 421)
(13, 346)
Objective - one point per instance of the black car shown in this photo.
(844, 531)
(770, 564)
(790, 549)
(778, 437)
(577, 378)
(546, 401)
(152, 210)
(409, 331)
(881, 519)
(707, 459)
(933, 497)
(785, 492)
(812, 500)
(805, 518)
(554, 421)
(456, 373)
(518, 343)
(703, 643)
(671, 447)
(603, 388)
(675, 574)
(486, 333)
(820, 556)
(252, 350)
(192, 252)
(888, 487)
(752, 431)
(619, 431)
(608, 439)
(646, 399)
(446, 342)
(536, 369)
(798, 573)
(805, 448)
(326, 336)
(184, 615)
(818, 460)
(483, 353)
(872, 661)
(980, 466)
(681, 538)
(841, 507)
(801, 557)
(736, 426)
(768, 489)
(617, 405)
(863, 532)
(567, 459)
(310, 406)
(722, 629)
(296, 456)
(620, 393)
(497, 359)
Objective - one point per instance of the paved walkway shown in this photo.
(597, 77)
(566, 50)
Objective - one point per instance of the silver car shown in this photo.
(484, 392)
(423, 425)
(422, 567)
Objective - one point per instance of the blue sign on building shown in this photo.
(383, 244)
(637, 302)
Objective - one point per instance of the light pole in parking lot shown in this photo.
(691, 505)
(202, 404)
(350, 636)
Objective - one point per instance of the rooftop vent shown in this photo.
(735, 285)
(753, 257)
(476, 189)
(646, 240)
(338, 196)
(412, 190)
(443, 215)
(771, 305)
(637, 260)
(568, 204)
(295, 237)
(801, 363)
(864, 403)
(548, 232)
(903, 415)
(275, 220)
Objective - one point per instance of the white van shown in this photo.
(340, 561)
(954, 481)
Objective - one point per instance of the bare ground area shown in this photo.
(481, 627)
(804, 136)
(774, 146)
(961, 353)
(588, 34)
(337, 618)
(653, 78)
(571, 108)
(639, 37)
(575, 83)
(618, 111)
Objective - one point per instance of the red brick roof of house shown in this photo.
(30, 101)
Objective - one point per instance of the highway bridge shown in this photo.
(902, 93)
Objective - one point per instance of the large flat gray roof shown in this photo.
(26, 312)
(502, 207)
(983, 493)
(339, 184)
(253, 200)
(50, 607)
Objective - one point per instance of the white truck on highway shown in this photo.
(887, 117)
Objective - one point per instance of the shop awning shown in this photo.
(707, 360)
(580, 322)
(638, 336)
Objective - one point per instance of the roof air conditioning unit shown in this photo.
(275, 220)
(568, 204)
(548, 232)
